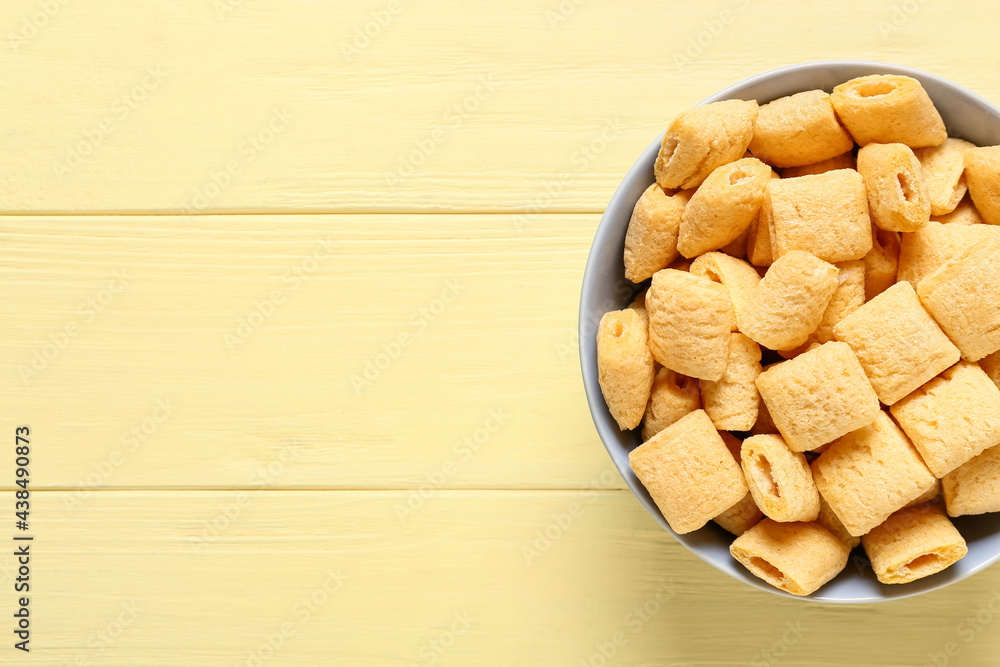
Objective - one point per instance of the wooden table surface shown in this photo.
(288, 295)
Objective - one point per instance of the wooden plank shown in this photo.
(348, 351)
(335, 578)
(519, 107)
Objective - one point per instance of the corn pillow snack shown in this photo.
(732, 401)
(845, 161)
(723, 206)
(689, 472)
(829, 520)
(797, 558)
(964, 214)
(974, 487)
(798, 130)
(849, 296)
(898, 344)
(897, 194)
(702, 139)
(870, 473)
(673, 396)
(926, 250)
(982, 173)
(912, 544)
(943, 169)
(825, 214)
(888, 108)
(624, 366)
(651, 240)
(738, 277)
(788, 303)
(689, 324)
(779, 479)
(962, 296)
(952, 418)
(819, 396)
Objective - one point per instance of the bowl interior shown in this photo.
(605, 288)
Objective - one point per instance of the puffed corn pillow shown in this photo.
(926, 250)
(912, 544)
(881, 262)
(898, 344)
(723, 206)
(952, 418)
(888, 108)
(673, 396)
(943, 169)
(779, 479)
(799, 130)
(701, 139)
(739, 518)
(624, 366)
(738, 277)
(845, 161)
(825, 214)
(651, 239)
(848, 297)
(732, 401)
(982, 173)
(797, 558)
(829, 520)
(870, 473)
(964, 214)
(974, 487)
(789, 302)
(690, 319)
(819, 396)
(745, 513)
(962, 296)
(897, 194)
(689, 472)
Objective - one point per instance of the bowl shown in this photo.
(605, 288)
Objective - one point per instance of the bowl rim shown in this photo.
(592, 275)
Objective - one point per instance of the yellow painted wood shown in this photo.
(555, 99)
(334, 578)
(378, 351)
(207, 451)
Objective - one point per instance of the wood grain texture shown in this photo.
(369, 351)
(218, 481)
(336, 578)
(574, 91)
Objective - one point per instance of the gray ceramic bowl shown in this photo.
(604, 288)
